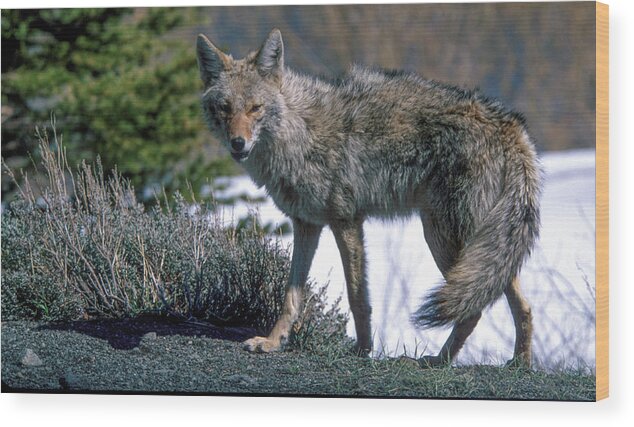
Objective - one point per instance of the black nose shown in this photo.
(237, 143)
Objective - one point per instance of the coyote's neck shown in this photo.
(286, 151)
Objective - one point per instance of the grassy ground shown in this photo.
(151, 355)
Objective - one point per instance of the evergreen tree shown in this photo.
(119, 84)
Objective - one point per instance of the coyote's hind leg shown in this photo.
(454, 343)
(523, 324)
(445, 249)
(349, 237)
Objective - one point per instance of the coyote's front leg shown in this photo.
(305, 240)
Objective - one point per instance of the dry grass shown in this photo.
(78, 244)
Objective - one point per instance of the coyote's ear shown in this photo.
(211, 60)
(270, 57)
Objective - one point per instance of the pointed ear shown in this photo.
(211, 60)
(270, 57)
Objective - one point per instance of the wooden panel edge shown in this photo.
(602, 201)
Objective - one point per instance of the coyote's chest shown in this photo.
(299, 199)
(302, 196)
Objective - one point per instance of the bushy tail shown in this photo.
(495, 253)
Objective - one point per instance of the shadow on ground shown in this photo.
(126, 334)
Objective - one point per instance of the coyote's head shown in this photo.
(242, 99)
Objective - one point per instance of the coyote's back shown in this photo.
(386, 144)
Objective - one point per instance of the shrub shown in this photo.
(84, 247)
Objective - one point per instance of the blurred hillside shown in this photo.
(538, 58)
(126, 87)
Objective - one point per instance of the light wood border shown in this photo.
(602, 201)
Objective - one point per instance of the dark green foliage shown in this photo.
(86, 248)
(123, 88)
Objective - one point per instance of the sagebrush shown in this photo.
(78, 244)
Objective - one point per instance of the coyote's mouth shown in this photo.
(241, 156)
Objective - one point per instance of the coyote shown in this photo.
(384, 144)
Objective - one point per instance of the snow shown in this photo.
(558, 279)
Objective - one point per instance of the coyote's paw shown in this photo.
(520, 361)
(362, 351)
(432, 362)
(261, 345)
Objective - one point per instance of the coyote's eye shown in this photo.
(225, 108)
(256, 108)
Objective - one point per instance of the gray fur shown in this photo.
(270, 59)
(386, 144)
(211, 60)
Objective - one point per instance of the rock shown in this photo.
(150, 336)
(31, 358)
